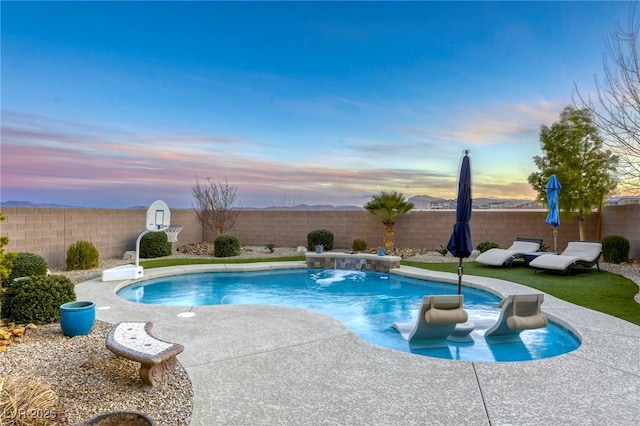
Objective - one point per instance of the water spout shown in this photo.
(350, 264)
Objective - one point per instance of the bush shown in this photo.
(320, 237)
(359, 244)
(615, 249)
(82, 255)
(27, 265)
(226, 245)
(443, 250)
(154, 244)
(486, 245)
(36, 299)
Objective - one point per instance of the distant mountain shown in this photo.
(305, 207)
(14, 203)
(420, 202)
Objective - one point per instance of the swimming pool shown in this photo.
(367, 303)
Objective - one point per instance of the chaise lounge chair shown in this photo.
(504, 257)
(519, 312)
(581, 253)
(436, 320)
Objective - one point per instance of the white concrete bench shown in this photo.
(133, 340)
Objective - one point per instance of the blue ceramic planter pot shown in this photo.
(77, 318)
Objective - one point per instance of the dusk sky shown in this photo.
(117, 104)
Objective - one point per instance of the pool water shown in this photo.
(367, 303)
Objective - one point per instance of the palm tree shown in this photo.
(388, 206)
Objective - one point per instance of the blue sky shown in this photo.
(118, 104)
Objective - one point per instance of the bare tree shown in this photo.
(617, 107)
(214, 205)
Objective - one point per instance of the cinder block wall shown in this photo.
(50, 232)
(624, 221)
(418, 229)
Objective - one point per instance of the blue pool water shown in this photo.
(367, 303)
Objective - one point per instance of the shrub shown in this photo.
(27, 265)
(358, 244)
(443, 250)
(320, 237)
(615, 249)
(486, 245)
(154, 244)
(6, 259)
(226, 245)
(36, 299)
(82, 255)
(270, 246)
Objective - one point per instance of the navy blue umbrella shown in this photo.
(553, 218)
(460, 244)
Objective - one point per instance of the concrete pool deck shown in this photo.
(273, 365)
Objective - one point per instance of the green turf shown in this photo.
(601, 291)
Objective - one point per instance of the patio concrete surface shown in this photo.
(254, 365)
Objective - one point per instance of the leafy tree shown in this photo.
(6, 259)
(573, 151)
(214, 205)
(388, 206)
(617, 105)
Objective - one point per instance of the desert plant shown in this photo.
(82, 255)
(26, 265)
(6, 259)
(226, 245)
(615, 249)
(154, 244)
(36, 299)
(21, 395)
(388, 206)
(270, 246)
(320, 237)
(358, 244)
(443, 250)
(486, 245)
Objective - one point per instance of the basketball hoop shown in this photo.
(172, 233)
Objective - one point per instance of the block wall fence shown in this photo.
(50, 231)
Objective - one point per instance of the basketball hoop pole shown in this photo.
(142, 234)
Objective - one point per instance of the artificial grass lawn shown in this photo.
(601, 291)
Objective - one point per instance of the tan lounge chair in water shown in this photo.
(504, 257)
(581, 253)
(436, 320)
(519, 312)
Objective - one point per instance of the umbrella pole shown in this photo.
(555, 239)
(460, 272)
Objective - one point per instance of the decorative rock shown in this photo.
(129, 255)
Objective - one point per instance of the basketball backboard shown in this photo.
(158, 216)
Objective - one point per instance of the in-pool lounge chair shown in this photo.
(583, 253)
(504, 257)
(519, 312)
(437, 320)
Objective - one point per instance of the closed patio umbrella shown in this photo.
(460, 244)
(553, 217)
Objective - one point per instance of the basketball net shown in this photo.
(172, 233)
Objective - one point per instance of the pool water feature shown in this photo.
(368, 303)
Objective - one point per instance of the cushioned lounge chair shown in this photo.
(436, 320)
(581, 253)
(519, 312)
(504, 257)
